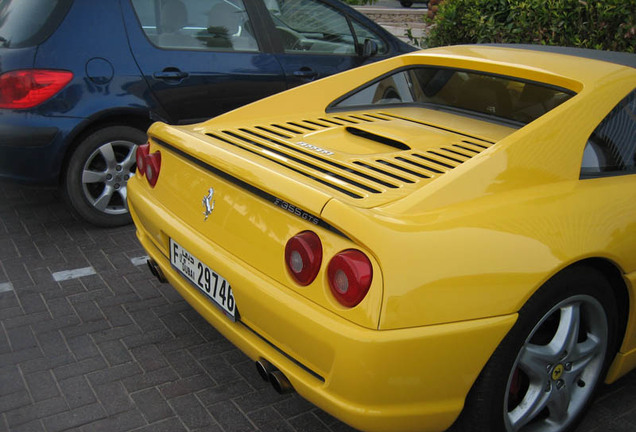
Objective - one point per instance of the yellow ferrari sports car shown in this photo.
(445, 238)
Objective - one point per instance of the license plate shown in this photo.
(204, 278)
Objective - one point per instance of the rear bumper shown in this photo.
(408, 379)
(32, 147)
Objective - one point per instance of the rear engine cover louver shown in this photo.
(357, 176)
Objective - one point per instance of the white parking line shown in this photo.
(137, 261)
(73, 274)
(6, 287)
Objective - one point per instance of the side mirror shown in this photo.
(370, 48)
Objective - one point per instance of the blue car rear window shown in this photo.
(26, 23)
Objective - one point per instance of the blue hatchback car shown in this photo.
(81, 80)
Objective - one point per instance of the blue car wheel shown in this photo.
(98, 173)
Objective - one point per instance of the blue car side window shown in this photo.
(215, 25)
(314, 27)
(611, 149)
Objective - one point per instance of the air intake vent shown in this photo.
(377, 138)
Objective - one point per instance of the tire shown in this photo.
(543, 375)
(97, 174)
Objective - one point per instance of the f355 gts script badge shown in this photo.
(208, 203)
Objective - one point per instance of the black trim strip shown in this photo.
(305, 215)
(287, 356)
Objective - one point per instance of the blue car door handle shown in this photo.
(170, 74)
(306, 73)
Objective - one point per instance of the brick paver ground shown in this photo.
(115, 350)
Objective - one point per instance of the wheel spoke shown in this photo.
(123, 193)
(534, 359)
(89, 176)
(532, 404)
(585, 352)
(566, 336)
(108, 153)
(130, 159)
(101, 203)
(559, 405)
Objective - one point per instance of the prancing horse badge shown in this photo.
(208, 203)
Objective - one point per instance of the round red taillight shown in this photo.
(140, 156)
(153, 166)
(350, 274)
(303, 256)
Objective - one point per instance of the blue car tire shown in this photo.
(98, 172)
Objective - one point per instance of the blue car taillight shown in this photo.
(21, 89)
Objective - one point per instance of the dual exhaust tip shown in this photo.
(156, 270)
(265, 369)
(276, 378)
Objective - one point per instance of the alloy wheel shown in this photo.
(105, 176)
(557, 368)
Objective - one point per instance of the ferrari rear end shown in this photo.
(230, 220)
(301, 234)
(248, 247)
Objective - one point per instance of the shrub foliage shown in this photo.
(600, 24)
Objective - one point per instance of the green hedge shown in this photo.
(604, 24)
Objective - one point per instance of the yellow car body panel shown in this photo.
(455, 253)
(368, 378)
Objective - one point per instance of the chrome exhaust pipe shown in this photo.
(264, 368)
(156, 270)
(280, 382)
(276, 378)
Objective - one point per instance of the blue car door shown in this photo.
(201, 57)
(317, 38)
